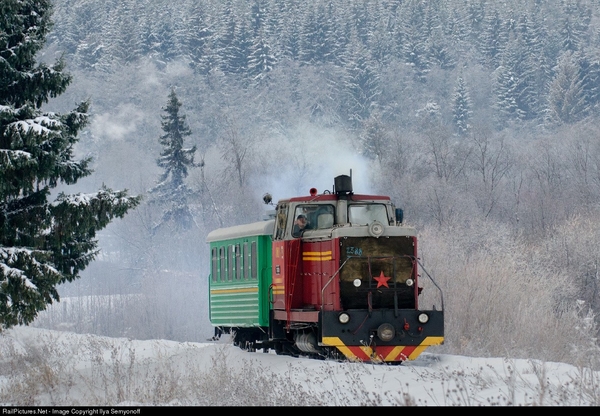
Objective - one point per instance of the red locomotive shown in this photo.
(340, 279)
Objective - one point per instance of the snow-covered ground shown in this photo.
(51, 368)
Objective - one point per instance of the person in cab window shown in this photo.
(299, 226)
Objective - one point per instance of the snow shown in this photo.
(40, 367)
(11, 255)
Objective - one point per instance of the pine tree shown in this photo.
(42, 243)
(440, 51)
(124, 37)
(171, 190)
(199, 41)
(361, 82)
(506, 91)
(494, 37)
(414, 37)
(289, 38)
(533, 61)
(233, 40)
(566, 100)
(461, 107)
(261, 62)
(241, 52)
(316, 38)
(259, 18)
(516, 84)
(226, 30)
(589, 69)
(374, 138)
(574, 23)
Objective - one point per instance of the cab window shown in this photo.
(365, 214)
(318, 216)
(280, 221)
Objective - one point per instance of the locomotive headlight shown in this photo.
(357, 282)
(344, 318)
(423, 318)
(376, 229)
(410, 282)
(386, 332)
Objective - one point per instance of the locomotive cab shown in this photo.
(334, 210)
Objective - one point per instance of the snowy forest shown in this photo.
(478, 117)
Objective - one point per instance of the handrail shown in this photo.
(290, 273)
(431, 278)
(331, 279)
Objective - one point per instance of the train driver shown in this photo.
(299, 226)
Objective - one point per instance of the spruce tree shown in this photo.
(374, 138)
(316, 39)
(414, 45)
(199, 40)
(171, 191)
(42, 243)
(461, 107)
(566, 99)
(261, 62)
(589, 70)
(493, 38)
(361, 82)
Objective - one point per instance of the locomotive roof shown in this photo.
(239, 231)
(334, 197)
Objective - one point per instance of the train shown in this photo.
(347, 287)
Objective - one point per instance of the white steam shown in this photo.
(125, 122)
(310, 157)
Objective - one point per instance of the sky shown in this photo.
(40, 367)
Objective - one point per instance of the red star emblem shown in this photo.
(382, 280)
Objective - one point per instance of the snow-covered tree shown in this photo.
(589, 69)
(573, 24)
(317, 39)
(440, 51)
(493, 38)
(361, 82)
(414, 43)
(171, 190)
(259, 18)
(566, 101)
(289, 39)
(42, 243)
(199, 41)
(262, 61)
(533, 62)
(374, 138)
(515, 89)
(124, 40)
(461, 107)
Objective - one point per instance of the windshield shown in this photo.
(365, 214)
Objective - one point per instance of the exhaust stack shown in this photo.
(342, 185)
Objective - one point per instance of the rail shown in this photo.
(432, 281)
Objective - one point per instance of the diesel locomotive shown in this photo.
(347, 287)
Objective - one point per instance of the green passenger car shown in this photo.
(240, 275)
